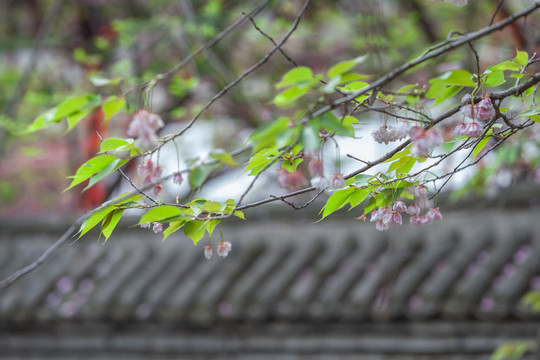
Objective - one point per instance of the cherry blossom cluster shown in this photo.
(223, 249)
(481, 111)
(386, 216)
(143, 128)
(150, 173)
(386, 134)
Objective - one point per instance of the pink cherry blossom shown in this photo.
(143, 128)
(381, 226)
(482, 111)
(424, 141)
(315, 168)
(461, 129)
(291, 181)
(420, 191)
(416, 220)
(157, 227)
(223, 248)
(158, 188)
(474, 130)
(413, 209)
(178, 179)
(386, 134)
(208, 251)
(338, 181)
(394, 218)
(434, 214)
(145, 225)
(399, 206)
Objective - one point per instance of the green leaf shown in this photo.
(362, 180)
(358, 196)
(212, 207)
(106, 171)
(505, 65)
(481, 145)
(195, 230)
(112, 106)
(239, 214)
(291, 166)
(112, 144)
(354, 86)
(91, 167)
(522, 58)
(494, 79)
(290, 95)
(344, 66)
(260, 160)
(198, 176)
(110, 223)
(70, 107)
(457, 77)
(223, 157)
(160, 214)
(266, 135)
(336, 201)
(174, 226)
(331, 123)
(298, 75)
(211, 226)
(94, 220)
(406, 88)
(309, 138)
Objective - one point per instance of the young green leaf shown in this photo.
(223, 157)
(112, 106)
(92, 167)
(298, 75)
(160, 214)
(336, 201)
(481, 145)
(198, 175)
(345, 66)
(110, 222)
(195, 230)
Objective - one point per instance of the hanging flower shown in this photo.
(157, 227)
(434, 214)
(291, 181)
(315, 167)
(424, 141)
(399, 206)
(223, 248)
(338, 181)
(178, 179)
(474, 130)
(208, 251)
(482, 111)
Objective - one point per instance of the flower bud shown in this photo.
(157, 227)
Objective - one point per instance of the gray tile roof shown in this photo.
(468, 267)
